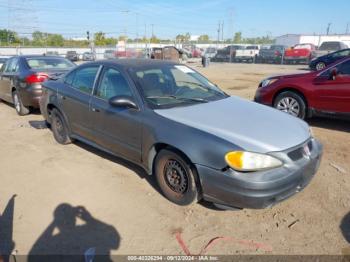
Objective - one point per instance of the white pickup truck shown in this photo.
(248, 53)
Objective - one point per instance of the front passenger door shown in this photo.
(116, 129)
(333, 95)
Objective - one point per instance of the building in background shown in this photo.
(293, 39)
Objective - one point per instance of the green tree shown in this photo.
(55, 40)
(203, 39)
(8, 36)
(237, 39)
(100, 38)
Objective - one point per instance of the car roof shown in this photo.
(37, 56)
(135, 63)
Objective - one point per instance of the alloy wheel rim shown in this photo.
(176, 177)
(320, 66)
(289, 105)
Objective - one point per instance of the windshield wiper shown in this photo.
(195, 99)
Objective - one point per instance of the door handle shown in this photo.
(95, 110)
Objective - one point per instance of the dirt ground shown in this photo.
(44, 175)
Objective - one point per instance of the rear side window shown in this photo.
(84, 79)
(49, 63)
(11, 65)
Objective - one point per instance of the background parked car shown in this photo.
(329, 47)
(21, 78)
(109, 54)
(72, 56)
(52, 53)
(300, 53)
(321, 62)
(88, 56)
(210, 52)
(303, 95)
(247, 54)
(271, 54)
(227, 54)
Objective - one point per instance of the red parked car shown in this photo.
(326, 92)
(301, 53)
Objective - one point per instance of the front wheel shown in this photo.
(175, 177)
(291, 103)
(320, 66)
(17, 102)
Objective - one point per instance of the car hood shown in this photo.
(249, 125)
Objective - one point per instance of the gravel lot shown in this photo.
(132, 217)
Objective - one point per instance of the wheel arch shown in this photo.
(49, 109)
(157, 147)
(290, 89)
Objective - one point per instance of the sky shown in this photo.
(169, 18)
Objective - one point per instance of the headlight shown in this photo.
(268, 81)
(247, 161)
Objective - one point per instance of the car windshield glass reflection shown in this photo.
(175, 85)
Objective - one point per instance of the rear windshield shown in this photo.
(303, 46)
(49, 63)
(329, 46)
(109, 51)
(71, 52)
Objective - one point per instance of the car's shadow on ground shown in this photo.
(330, 123)
(120, 161)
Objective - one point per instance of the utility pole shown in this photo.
(328, 28)
(219, 30)
(347, 29)
(222, 31)
(152, 25)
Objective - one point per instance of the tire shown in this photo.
(19, 107)
(176, 178)
(320, 66)
(59, 128)
(291, 103)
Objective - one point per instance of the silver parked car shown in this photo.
(196, 140)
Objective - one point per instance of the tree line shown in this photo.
(38, 38)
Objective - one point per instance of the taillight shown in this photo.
(36, 78)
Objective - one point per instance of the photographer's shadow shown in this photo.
(65, 237)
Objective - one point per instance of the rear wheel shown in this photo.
(320, 66)
(175, 177)
(17, 102)
(291, 103)
(59, 128)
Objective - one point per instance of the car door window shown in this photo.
(84, 79)
(344, 68)
(11, 65)
(112, 84)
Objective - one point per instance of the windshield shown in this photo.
(49, 63)
(167, 86)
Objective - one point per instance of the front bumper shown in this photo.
(261, 189)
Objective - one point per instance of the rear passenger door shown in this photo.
(116, 129)
(75, 96)
(7, 78)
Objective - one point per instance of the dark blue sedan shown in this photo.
(321, 62)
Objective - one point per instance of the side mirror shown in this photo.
(333, 74)
(123, 102)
